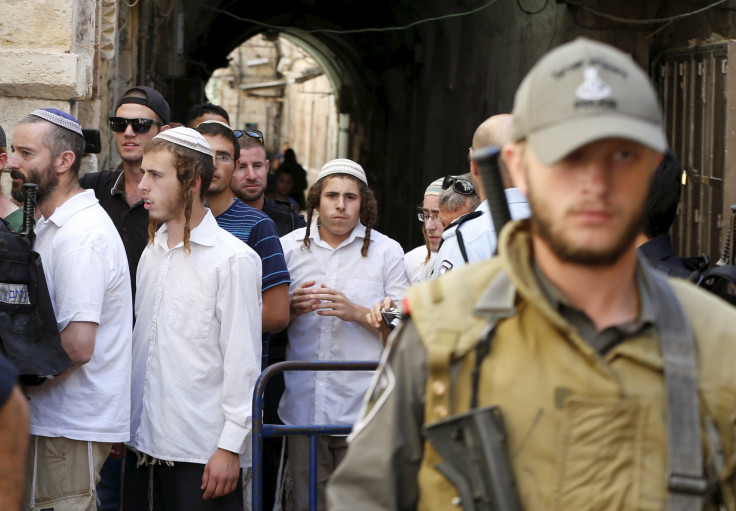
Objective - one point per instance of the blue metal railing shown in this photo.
(261, 431)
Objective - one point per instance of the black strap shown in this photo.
(461, 245)
(496, 303)
(459, 235)
(686, 481)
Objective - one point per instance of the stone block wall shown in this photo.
(50, 53)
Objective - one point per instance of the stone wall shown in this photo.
(51, 55)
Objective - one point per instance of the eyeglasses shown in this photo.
(120, 124)
(251, 133)
(460, 185)
(424, 217)
(223, 158)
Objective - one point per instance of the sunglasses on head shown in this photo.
(251, 133)
(120, 124)
(459, 184)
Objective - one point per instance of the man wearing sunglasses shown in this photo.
(140, 115)
(474, 235)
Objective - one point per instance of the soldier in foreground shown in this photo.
(604, 375)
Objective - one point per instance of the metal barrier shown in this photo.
(260, 430)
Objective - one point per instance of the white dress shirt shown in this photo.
(196, 346)
(417, 270)
(479, 235)
(335, 397)
(87, 275)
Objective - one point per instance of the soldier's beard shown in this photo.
(567, 249)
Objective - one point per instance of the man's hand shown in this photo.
(301, 303)
(375, 320)
(220, 474)
(117, 451)
(332, 302)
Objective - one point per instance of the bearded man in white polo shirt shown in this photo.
(72, 422)
(196, 341)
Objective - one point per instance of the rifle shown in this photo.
(721, 279)
(490, 173)
(473, 447)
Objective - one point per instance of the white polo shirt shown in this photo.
(86, 271)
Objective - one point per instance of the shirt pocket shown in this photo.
(364, 292)
(191, 313)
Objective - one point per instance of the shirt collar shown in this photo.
(357, 232)
(514, 195)
(558, 301)
(72, 206)
(204, 234)
(119, 187)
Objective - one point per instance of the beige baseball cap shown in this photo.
(581, 92)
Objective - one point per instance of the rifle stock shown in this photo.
(476, 462)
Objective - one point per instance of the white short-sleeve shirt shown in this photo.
(479, 235)
(87, 274)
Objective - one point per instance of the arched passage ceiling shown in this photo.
(375, 75)
(414, 96)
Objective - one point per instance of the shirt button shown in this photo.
(439, 388)
(440, 411)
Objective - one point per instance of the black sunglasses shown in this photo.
(120, 124)
(251, 133)
(459, 184)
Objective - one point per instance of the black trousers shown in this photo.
(175, 488)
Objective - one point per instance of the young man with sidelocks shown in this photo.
(196, 341)
(340, 266)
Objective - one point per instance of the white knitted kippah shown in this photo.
(342, 166)
(59, 118)
(215, 121)
(187, 137)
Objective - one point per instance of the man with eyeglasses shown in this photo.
(250, 226)
(250, 179)
(140, 115)
(476, 231)
(418, 262)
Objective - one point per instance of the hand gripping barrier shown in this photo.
(261, 431)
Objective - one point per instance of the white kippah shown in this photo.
(342, 166)
(186, 137)
(214, 121)
(59, 118)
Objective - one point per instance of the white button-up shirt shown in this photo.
(335, 397)
(479, 235)
(87, 275)
(196, 346)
